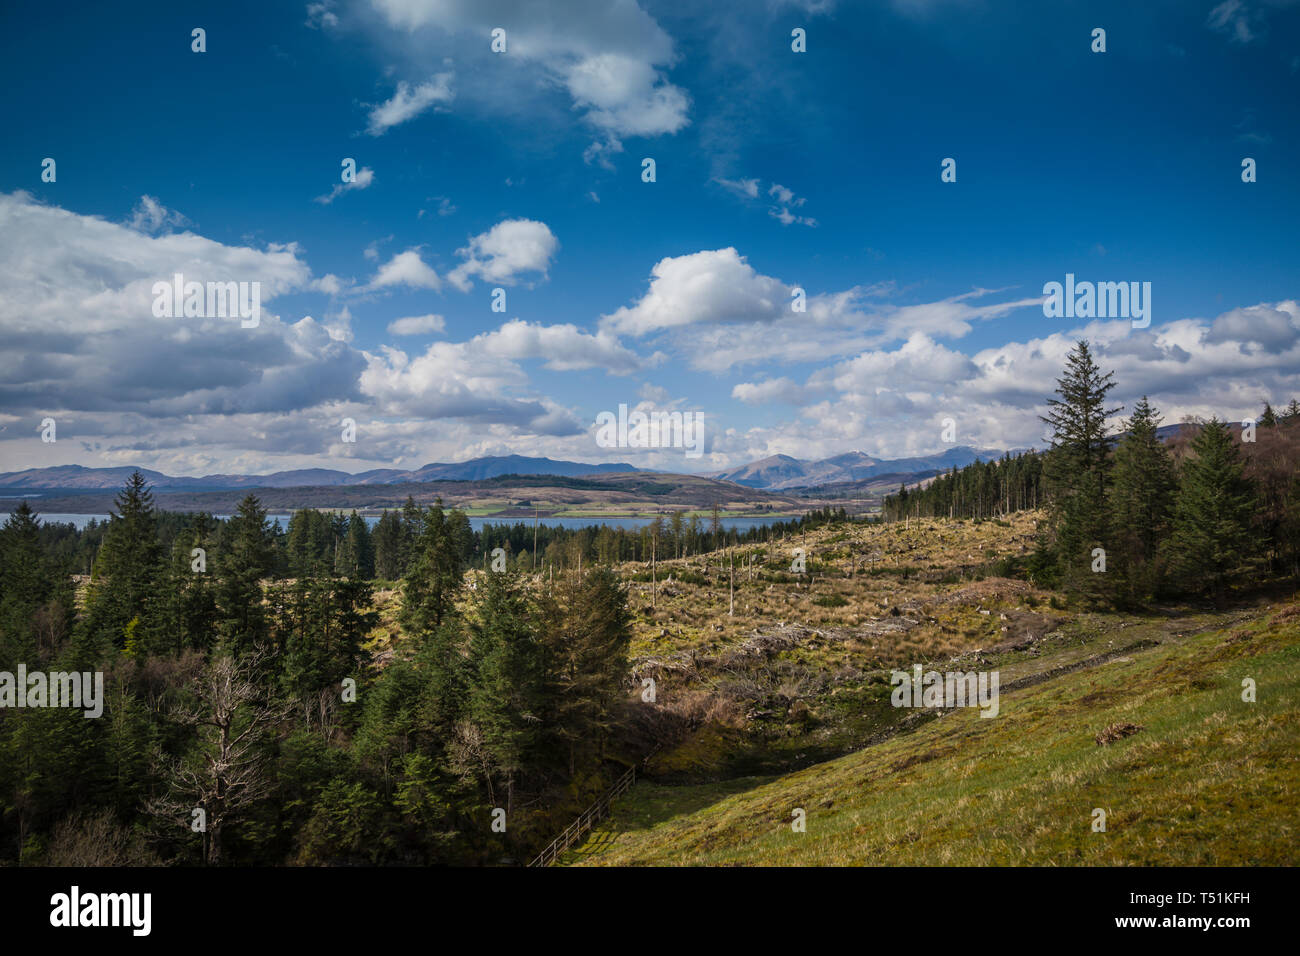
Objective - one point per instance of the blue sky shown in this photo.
(522, 171)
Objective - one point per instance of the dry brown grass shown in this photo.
(797, 652)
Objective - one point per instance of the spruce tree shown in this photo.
(127, 572)
(1078, 471)
(345, 558)
(443, 674)
(322, 538)
(177, 580)
(1142, 501)
(188, 605)
(387, 539)
(507, 678)
(587, 633)
(129, 739)
(436, 574)
(27, 581)
(243, 559)
(320, 623)
(300, 545)
(412, 531)
(22, 577)
(1212, 536)
(358, 558)
(201, 601)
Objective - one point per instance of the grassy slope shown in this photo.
(1209, 780)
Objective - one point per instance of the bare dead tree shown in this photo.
(232, 717)
(731, 587)
(319, 710)
(327, 705)
(86, 838)
(469, 755)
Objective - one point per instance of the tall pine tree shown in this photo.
(243, 559)
(587, 632)
(122, 604)
(507, 680)
(1142, 503)
(1212, 535)
(33, 590)
(1078, 472)
(436, 573)
(387, 539)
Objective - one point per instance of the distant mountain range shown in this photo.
(783, 473)
(774, 473)
(780, 472)
(76, 477)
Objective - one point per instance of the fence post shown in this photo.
(587, 819)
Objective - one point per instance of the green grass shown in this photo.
(1209, 780)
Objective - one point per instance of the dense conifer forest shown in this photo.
(235, 683)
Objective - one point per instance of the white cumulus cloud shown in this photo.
(406, 269)
(507, 250)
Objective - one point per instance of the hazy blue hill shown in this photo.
(79, 478)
